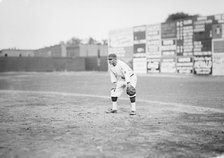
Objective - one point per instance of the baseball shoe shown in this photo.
(111, 111)
(132, 113)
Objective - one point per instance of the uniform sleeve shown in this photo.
(112, 77)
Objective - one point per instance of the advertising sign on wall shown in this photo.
(121, 37)
(139, 50)
(184, 65)
(183, 46)
(217, 31)
(168, 47)
(121, 42)
(139, 33)
(153, 65)
(139, 65)
(168, 30)
(153, 41)
(202, 36)
(218, 64)
(185, 38)
(168, 65)
(218, 57)
(202, 64)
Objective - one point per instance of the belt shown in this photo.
(130, 76)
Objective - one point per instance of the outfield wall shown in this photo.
(41, 64)
(183, 46)
(96, 64)
(44, 64)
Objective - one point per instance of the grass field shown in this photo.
(62, 114)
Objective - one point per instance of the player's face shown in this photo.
(112, 62)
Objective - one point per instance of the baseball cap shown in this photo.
(112, 56)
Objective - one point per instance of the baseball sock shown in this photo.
(114, 103)
(133, 105)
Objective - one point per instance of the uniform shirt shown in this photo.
(120, 71)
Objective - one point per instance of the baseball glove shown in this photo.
(131, 90)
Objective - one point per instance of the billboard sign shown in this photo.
(218, 57)
(140, 65)
(120, 41)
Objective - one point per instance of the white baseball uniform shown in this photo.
(121, 74)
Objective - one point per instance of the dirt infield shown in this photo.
(53, 124)
(38, 124)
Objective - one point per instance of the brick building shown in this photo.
(86, 50)
(58, 50)
(16, 53)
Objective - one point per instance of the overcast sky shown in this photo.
(32, 24)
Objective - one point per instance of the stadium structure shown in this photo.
(191, 46)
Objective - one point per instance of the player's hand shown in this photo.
(114, 86)
(123, 86)
(128, 84)
(113, 89)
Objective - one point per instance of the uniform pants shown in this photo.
(121, 85)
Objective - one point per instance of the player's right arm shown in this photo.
(113, 79)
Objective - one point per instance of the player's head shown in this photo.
(112, 58)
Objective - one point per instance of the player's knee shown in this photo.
(131, 91)
(114, 99)
(115, 93)
(132, 95)
(132, 99)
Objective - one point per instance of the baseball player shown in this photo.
(121, 76)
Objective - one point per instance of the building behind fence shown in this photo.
(60, 57)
